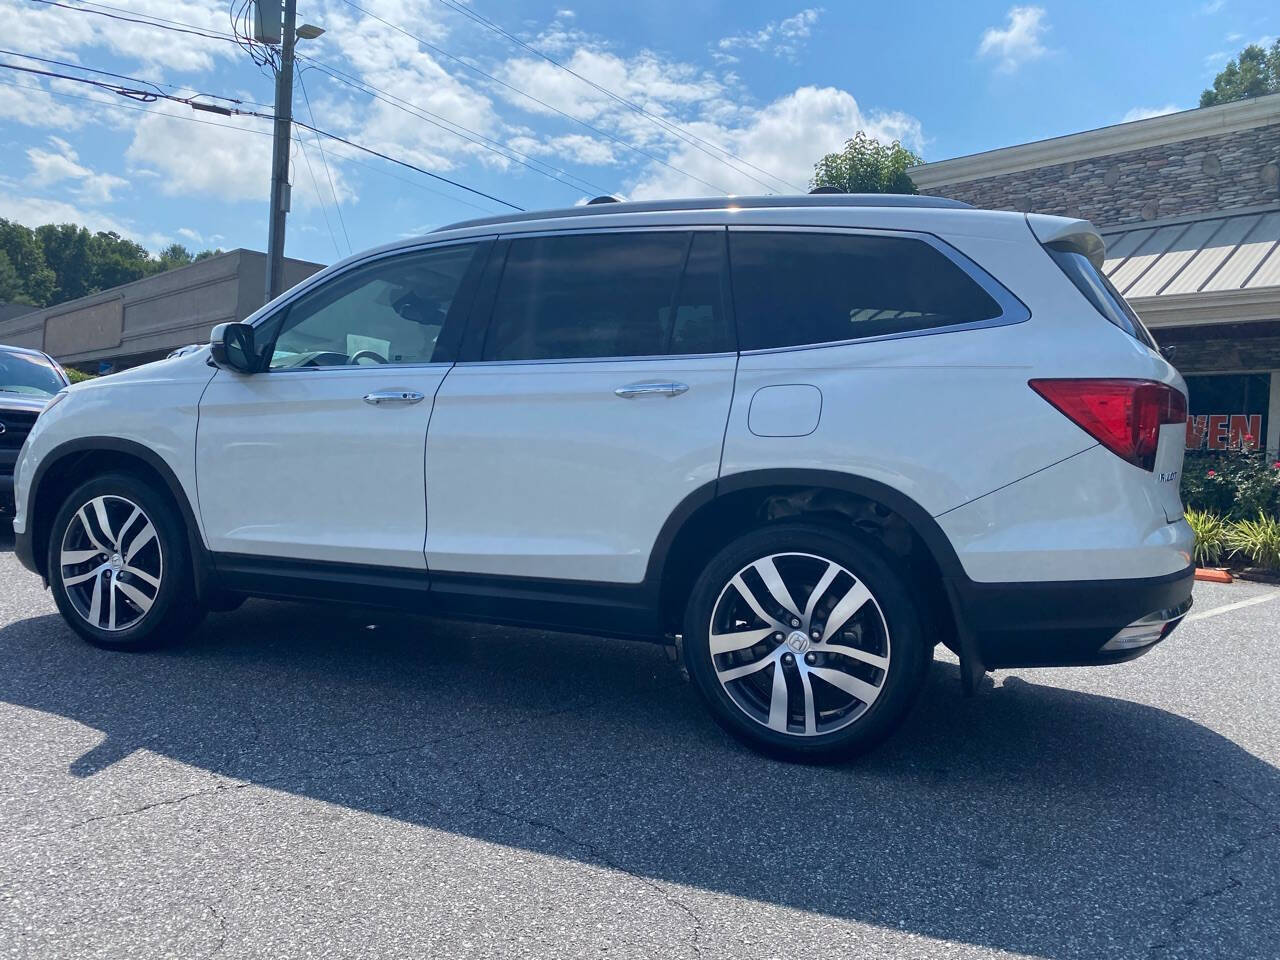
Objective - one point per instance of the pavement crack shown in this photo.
(222, 931)
(138, 811)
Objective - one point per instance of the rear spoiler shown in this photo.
(1066, 232)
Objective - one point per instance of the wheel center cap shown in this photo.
(117, 561)
(798, 641)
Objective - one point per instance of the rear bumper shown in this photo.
(1065, 623)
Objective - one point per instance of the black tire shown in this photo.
(173, 611)
(889, 628)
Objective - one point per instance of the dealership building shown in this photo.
(1189, 206)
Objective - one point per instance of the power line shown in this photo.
(147, 96)
(502, 83)
(471, 136)
(121, 76)
(172, 25)
(328, 173)
(662, 122)
(403, 163)
(320, 197)
(113, 105)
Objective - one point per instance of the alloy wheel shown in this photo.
(111, 563)
(799, 644)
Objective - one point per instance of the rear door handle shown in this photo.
(384, 397)
(664, 388)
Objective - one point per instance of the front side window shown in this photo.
(28, 375)
(626, 294)
(795, 288)
(390, 311)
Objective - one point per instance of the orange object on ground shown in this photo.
(1213, 576)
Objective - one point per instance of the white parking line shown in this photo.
(1226, 607)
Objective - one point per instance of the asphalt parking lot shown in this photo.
(306, 781)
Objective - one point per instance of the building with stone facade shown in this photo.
(1189, 206)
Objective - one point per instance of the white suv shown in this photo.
(809, 437)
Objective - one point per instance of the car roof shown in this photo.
(601, 206)
(29, 351)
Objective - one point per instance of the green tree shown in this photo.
(66, 251)
(1255, 73)
(866, 165)
(175, 255)
(26, 255)
(206, 254)
(116, 260)
(11, 288)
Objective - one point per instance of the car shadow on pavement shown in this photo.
(1031, 819)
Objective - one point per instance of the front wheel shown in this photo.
(119, 565)
(804, 642)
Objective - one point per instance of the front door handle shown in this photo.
(380, 397)
(665, 388)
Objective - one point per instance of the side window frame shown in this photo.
(1012, 309)
(449, 338)
(473, 341)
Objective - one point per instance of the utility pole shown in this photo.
(280, 153)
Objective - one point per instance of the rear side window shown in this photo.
(1100, 292)
(625, 294)
(792, 289)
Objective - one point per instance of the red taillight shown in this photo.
(1125, 416)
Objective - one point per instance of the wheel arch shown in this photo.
(724, 509)
(71, 463)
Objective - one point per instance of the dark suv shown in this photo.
(28, 380)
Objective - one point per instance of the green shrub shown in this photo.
(1234, 484)
(1211, 536)
(1258, 540)
(77, 376)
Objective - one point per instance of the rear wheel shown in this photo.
(805, 642)
(119, 565)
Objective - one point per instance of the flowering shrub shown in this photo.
(1238, 484)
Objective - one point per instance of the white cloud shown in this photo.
(57, 32)
(1213, 6)
(1145, 113)
(197, 158)
(1019, 41)
(62, 163)
(786, 138)
(223, 161)
(575, 147)
(782, 38)
(24, 100)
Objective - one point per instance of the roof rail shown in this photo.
(718, 203)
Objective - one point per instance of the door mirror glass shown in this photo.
(232, 347)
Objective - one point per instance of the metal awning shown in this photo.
(1210, 254)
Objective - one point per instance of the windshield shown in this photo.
(29, 375)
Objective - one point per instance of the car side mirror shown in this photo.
(232, 347)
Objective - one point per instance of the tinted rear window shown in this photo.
(791, 289)
(1100, 292)
(609, 295)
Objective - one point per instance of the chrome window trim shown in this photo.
(666, 357)
(1012, 310)
(340, 270)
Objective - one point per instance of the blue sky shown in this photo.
(740, 97)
